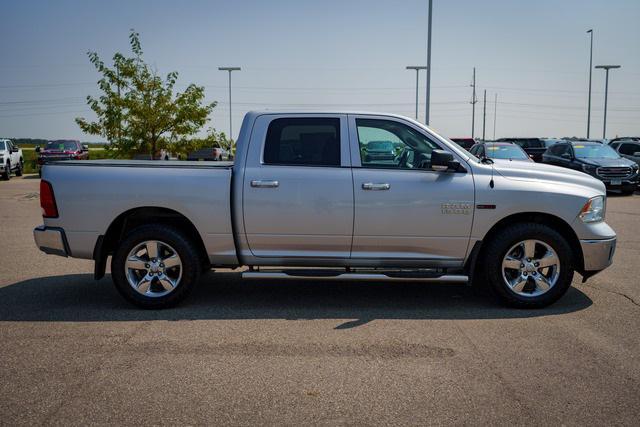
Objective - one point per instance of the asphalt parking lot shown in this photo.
(246, 352)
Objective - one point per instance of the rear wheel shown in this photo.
(529, 265)
(156, 266)
(20, 168)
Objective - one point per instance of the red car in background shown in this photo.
(61, 149)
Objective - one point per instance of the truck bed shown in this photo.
(92, 194)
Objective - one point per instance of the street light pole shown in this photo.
(230, 69)
(606, 68)
(590, 72)
(427, 100)
(417, 68)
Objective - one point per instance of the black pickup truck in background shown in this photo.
(534, 147)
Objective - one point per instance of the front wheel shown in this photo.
(529, 265)
(155, 266)
(7, 172)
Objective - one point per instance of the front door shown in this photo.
(404, 210)
(298, 197)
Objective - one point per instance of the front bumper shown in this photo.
(597, 254)
(51, 240)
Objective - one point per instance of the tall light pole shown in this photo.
(417, 68)
(590, 72)
(484, 115)
(606, 68)
(474, 99)
(495, 114)
(427, 100)
(230, 69)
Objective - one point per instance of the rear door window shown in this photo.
(303, 142)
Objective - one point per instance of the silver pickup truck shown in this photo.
(309, 197)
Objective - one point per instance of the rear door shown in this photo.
(298, 187)
(404, 210)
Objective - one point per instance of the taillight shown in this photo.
(47, 200)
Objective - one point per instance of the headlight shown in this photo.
(593, 210)
(635, 168)
(589, 168)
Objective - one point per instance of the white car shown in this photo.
(12, 159)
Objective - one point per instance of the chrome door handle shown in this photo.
(264, 184)
(375, 187)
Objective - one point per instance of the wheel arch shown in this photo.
(553, 221)
(128, 220)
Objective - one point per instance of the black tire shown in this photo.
(497, 248)
(186, 249)
(7, 172)
(20, 167)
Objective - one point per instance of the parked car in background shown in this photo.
(627, 148)
(500, 150)
(159, 155)
(548, 142)
(624, 138)
(61, 149)
(301, 194)
(215, 154)
(375, 151)
(534, 147)
(465, 143)
(598, 160)
(11, 159)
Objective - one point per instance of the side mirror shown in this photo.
(566, 156)
(636, 154)
(15, 149)
(443, 160)
(85, 147)
(37, 149)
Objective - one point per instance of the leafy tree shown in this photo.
(138, 111)
(212, 139)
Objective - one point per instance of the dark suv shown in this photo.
(598, 160)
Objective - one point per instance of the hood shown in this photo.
(529, 171)
(595, 161)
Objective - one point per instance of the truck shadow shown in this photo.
(223, 296)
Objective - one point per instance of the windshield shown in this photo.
(2, 146)
(590, 151)
(380, 146)
(506, 152)
(62, 145)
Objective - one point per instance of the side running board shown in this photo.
(308, 275)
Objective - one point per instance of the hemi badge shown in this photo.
(486, 206)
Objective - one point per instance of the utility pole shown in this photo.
(474, 99)
(590, 72)
(606, 68)
(417, 68)
(230, 69)
(495, 114)
(427, 101)
(484, 114)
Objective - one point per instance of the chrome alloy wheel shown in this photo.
(530, 268)
(153, 268)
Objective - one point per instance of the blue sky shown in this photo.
(309, 55)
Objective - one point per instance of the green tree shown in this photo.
(212, 139)
(137, 111)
